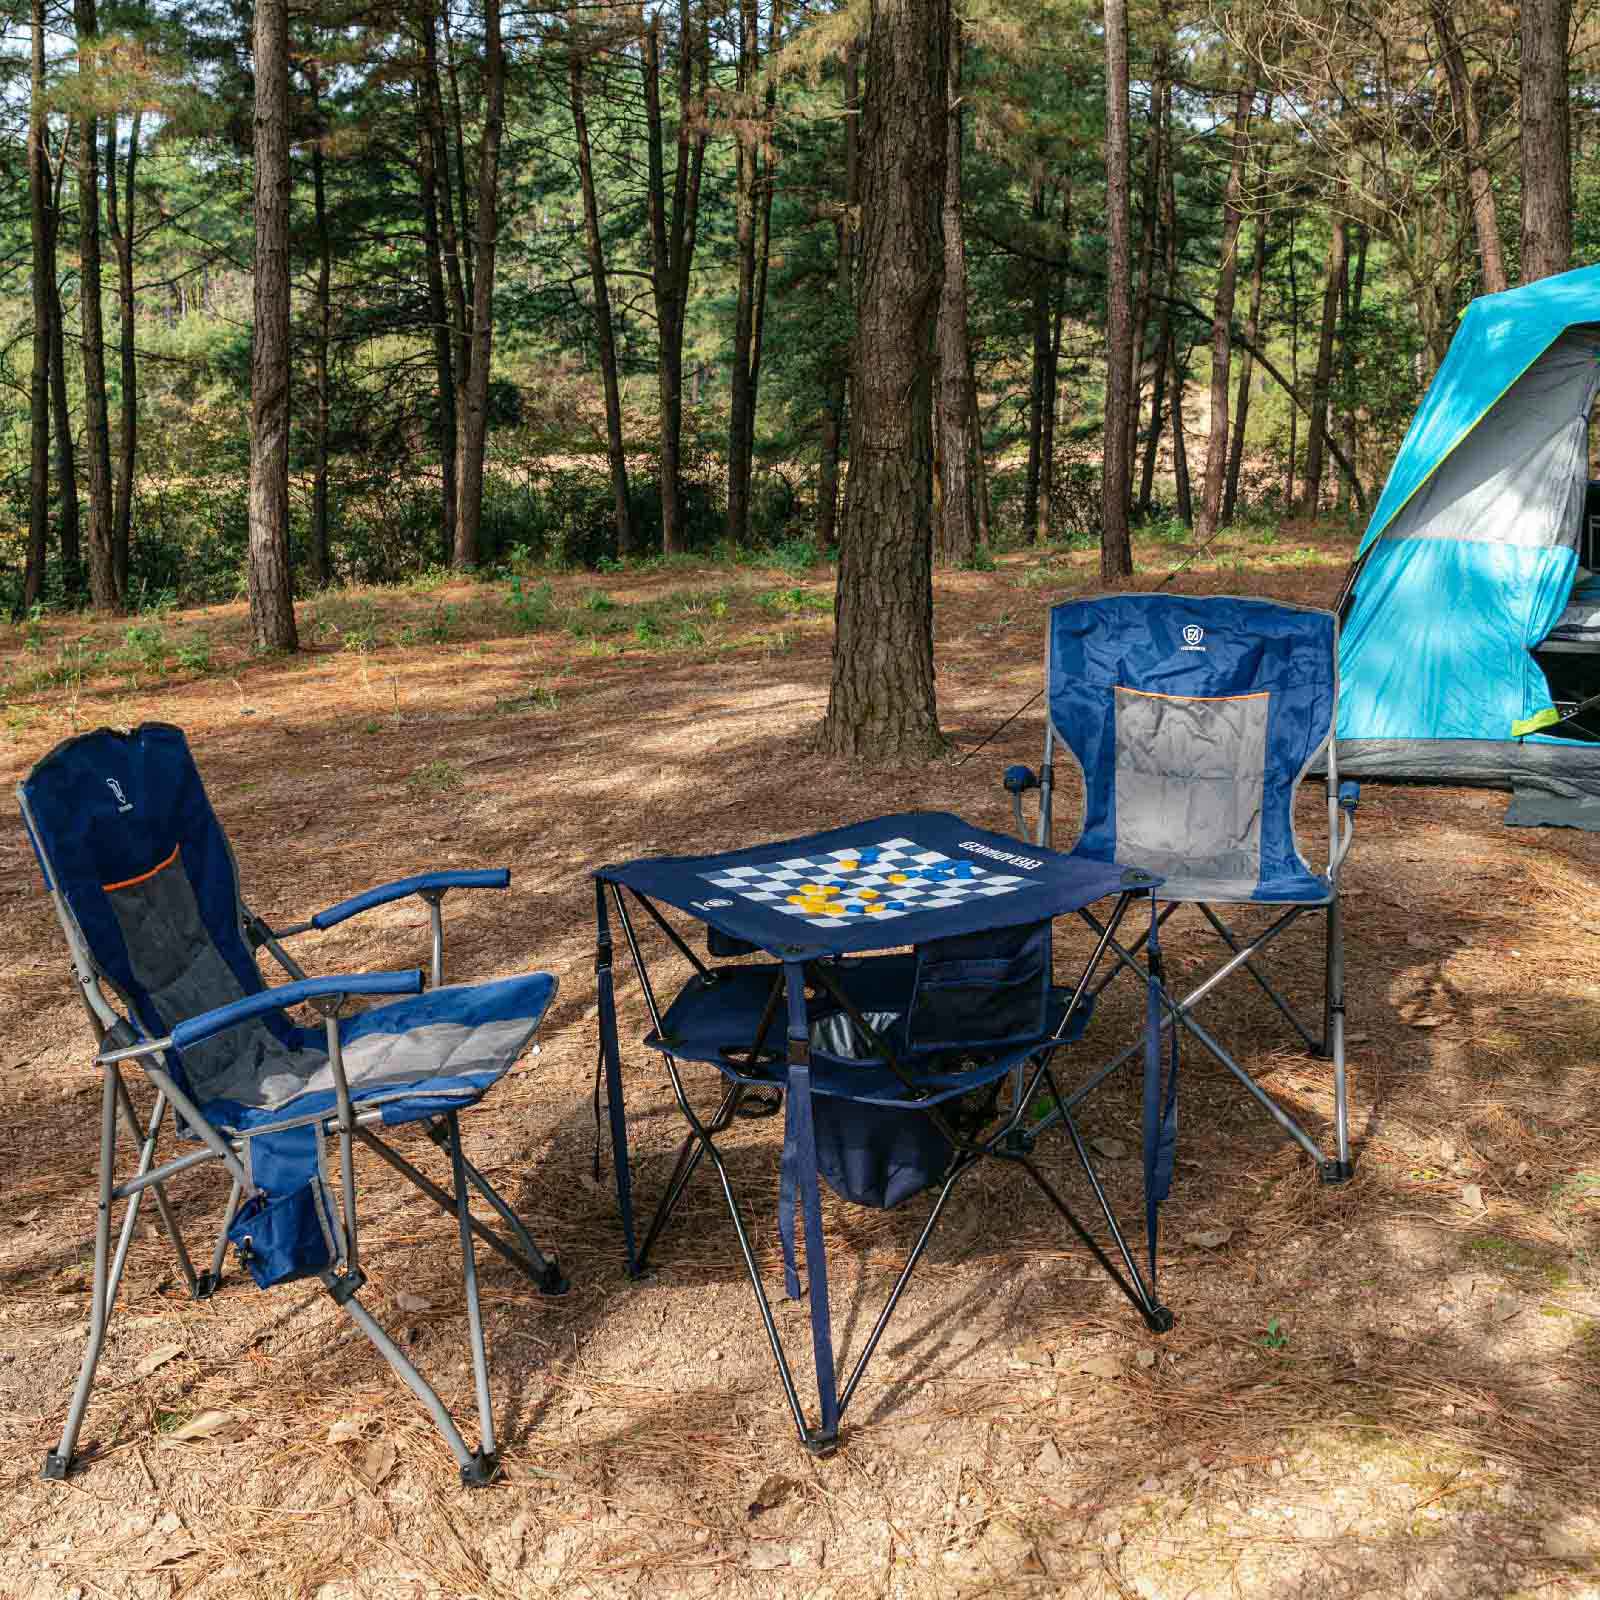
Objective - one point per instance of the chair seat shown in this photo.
(1189, 881)
(440, 1051)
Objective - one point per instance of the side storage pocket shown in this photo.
(981, 989)
(282, 1237)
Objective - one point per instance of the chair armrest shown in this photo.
(484, 878)
(1349, 794)
(193, 1029)
(1018, 780)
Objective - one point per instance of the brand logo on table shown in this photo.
(123, 802)
(1193, 635)
(710, 905)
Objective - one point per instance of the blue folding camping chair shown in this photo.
(1193, 721)
(147, 893)
(891, 1066)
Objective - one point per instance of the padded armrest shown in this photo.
(1019, 779)
(193, 1029)
(1349, 794)
(483, 878)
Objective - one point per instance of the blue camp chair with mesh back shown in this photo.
(147, 892)
(1193, 721)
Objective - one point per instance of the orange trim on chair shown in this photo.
(1149, 694)
(160, 866)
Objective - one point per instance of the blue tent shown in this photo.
(1469, 622)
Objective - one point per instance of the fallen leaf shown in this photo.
(1523, 1169)
(1429, 1019)
(27, 1217)
(1101, 1366)
(1213, 1240)
(412, 1302)
(376, 1463)
(773, 1492)
(159, 1357)
(1033, 1355)
(344, 1430)
(1146, 1358)
(1506, 1306)
(1049, 1459)
(1111, 1149)
(205, 1426)
(1472, 1197)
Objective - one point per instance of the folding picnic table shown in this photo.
(891, 1066)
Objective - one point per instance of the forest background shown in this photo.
(580, 285)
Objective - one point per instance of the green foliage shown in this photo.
(530, 607)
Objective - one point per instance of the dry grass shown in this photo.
(1380, 1389)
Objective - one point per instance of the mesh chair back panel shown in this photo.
(130, 841)
(1193, 720)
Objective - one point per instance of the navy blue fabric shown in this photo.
(611, 1062)
(481, 878)
(192, 1030)
(1196, 647)
(1160, 1112)
(111, 807)
(1048, 884)
(282, 1232)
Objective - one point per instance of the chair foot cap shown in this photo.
(481, 1471)
(820, 1443)
(1319, 1052)
(553, 1281)
(207, 1285)
(56, 1468)
(1335, 1172)
(1158, 1319)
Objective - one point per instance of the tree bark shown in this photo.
(96, 421)
(1116, 551)
(1480, 186)
(881, 705)
(1324, 375)
(1039, 321)
(1047, 427)
(1294, 364)
(122, 233)
(672, 233)
(1222, 323)
(746, 176)
(272, 621)
(67, 519)
(833, 413)
(1180, 439)
(440, 243)
(1349, 327)
(472, 426)
(1247, 359)
(39, 385)
(1546, 139)
(956, 536)
(605, 341)
(1149, 204)
(321, 552)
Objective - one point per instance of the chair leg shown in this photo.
(690, 1153)
(211, 1280)
(1226, 934)
(485, 1462)
(168, 1221)
(1340, 1169)
(58, 1462)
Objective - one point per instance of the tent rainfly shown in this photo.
(1471, 638)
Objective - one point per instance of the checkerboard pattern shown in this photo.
(882, 881)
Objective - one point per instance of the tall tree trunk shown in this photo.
(1116, 552)
(321, 552)
(1324, 374)
(672, 231)
(1546, 139)
(96, 421)
(1039, 321)
(1180, 438)
(39, 386)
(955, 541)
(881, 704)
(1480, 186)
(764, 194)
(746, 175)
(444, 256)
(1165, 344)
(1222, 323)
(472, 426)
(1158, 402)
(1349, 329)
(272, 623)
(1247, 361)
(122, 232)
(980, 466)
(67, 529)
(459, 150)
(1294, 364)
(1149, 204)
(1047, 431)
(605, 342)
(833, 411)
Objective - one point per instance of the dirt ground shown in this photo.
(1389, 1388)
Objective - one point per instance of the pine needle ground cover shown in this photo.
(1383, 1389)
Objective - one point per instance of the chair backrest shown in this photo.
(1193, 720)
(141, 869)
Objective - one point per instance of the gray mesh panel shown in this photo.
(173, 957)
(1189, 782)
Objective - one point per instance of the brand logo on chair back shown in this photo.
(1193, 634)
(123, 802)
